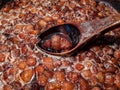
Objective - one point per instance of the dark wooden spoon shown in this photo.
(78, 34)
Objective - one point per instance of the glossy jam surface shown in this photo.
(24, 67)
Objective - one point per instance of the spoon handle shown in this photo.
(96, 27)
(91, 30)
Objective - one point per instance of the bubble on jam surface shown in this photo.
(27, 75)
(16, 85)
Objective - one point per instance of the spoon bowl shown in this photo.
(69, 32)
